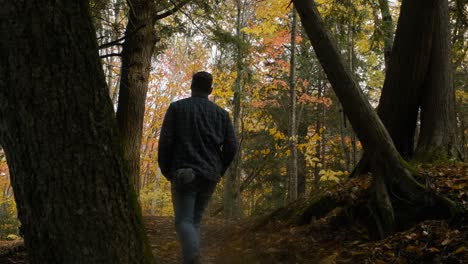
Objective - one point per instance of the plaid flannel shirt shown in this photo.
(198, 134)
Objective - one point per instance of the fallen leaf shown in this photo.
(459, 250)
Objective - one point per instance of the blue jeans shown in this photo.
(190, 201)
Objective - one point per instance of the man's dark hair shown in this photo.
(201, 82)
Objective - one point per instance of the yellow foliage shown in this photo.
(12, 237)
(268, 14)
(8, 220)
(461, 96)
(155, 198)
(330, 175)
(223, 83)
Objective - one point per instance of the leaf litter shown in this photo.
(322, 241)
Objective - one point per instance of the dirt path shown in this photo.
(217, 236)
(238, 243)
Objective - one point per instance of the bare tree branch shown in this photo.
(112, 43)
(110, 55)
(176, 7)
(118, 41)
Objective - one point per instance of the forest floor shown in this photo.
(322, 241)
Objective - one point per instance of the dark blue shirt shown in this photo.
(198, 134)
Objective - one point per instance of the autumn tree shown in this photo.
(61, 142)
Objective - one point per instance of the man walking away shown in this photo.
(196, 146)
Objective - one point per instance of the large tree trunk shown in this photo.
(388, 167)
(414, 79)
(137, 50)
(400, 100)
(74, 198)
(437, 139)
(406, 73)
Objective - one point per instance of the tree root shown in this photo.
(391, 204)
(305, 210)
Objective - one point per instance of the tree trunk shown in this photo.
(293, 184)
(301, 160)
(231, 189)
(319, 129)
(387, 165)
(401, 94)
(437, 139)
(399, 103)
(352, 156)
(344, 147)
(137, 50)
(387, 30)
(463, 144)
(60, 138)
(406, 81)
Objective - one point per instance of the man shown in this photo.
(196, 146)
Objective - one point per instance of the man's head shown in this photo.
(201, 83)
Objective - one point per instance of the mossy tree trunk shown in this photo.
(58, 130)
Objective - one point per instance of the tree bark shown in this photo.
(437, 139)
(402, 90)
(60, 138)
(137, 50)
